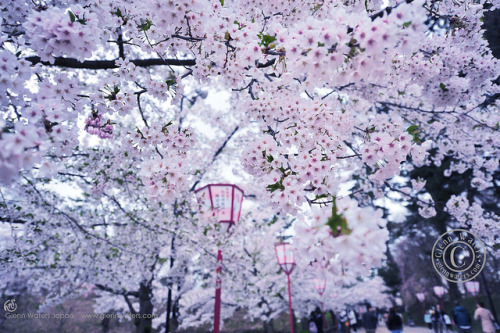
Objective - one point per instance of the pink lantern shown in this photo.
(439, 291)
(222, 201)
(286, 260)
(320, 285)
(472, 287)
(420, 296)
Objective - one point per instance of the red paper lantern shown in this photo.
(222, 201)
(472, 287)
(439, 291)
(286, 259)
(320, 285)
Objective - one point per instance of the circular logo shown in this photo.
(458, 255)
(10, 305)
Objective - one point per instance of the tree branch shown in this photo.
(217, 153)
(110, 64)
(118, 292)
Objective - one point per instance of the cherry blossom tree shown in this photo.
(114, 112)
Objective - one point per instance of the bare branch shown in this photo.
(110, 64)
(217, 153)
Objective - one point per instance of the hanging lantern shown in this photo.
(420, 296)
(472, 287)
(286, 259)
(439, 291)
(320, 285)
(222, 201)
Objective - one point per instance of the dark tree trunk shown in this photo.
(169, 310)
(175, 314)
(334, 321)
(105, 325)
(144, 321)
(170, 286)
(294, 322)
(269, 327)
(304, 324)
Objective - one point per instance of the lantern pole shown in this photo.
(220, 200)
(472, 288)
(282, 250)
(290, 303)
(218, 289)
(421, 298)
(320, 285)
(323, 313)
(439, 292)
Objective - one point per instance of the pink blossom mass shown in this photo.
(114, 112)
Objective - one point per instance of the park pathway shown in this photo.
(406, 329)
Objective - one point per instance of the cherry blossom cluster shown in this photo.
(22, 147)
(12, 73)
(170, 89)
(321, 96)
(56, 32)
(473, 217)
(93, 126)
(350, 238)
(164, 177)
(297, 165)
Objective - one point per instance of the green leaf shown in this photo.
(407, 24)
(412, 129)
(276, 186)
(266, 40)
(162, 260)
(221, 2)
(414, 132)
(443, 87)
(273, 220)
(337, 222)
(145, 25)
(270, 158)
(240, 26)
(72, 16)
(321, 196)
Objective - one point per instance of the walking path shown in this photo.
(406, 329)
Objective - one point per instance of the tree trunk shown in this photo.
(334, 321)
(174, 325)
(294, 322)
(144, 321)
(304, 324)
(269, 327)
